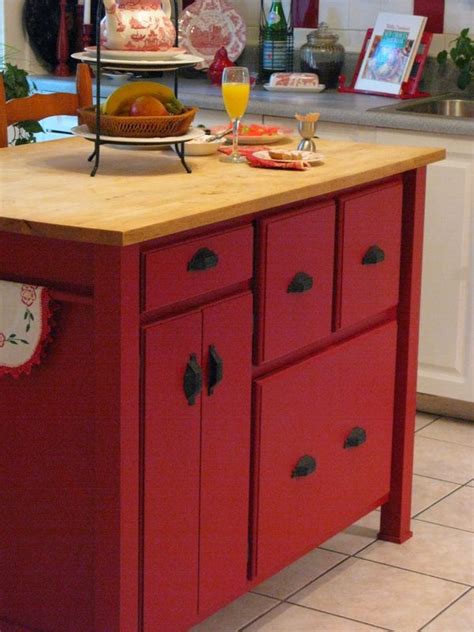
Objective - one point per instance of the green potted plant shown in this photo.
(17, 85)
(462, 55)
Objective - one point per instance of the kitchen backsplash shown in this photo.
(351, 18)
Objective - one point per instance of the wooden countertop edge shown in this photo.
(158, 229)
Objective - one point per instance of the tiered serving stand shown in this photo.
(139, 66)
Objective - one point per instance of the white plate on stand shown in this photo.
(135, 55)
(84, 132)
(180, 61)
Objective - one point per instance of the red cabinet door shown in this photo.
(225, 449)
(310, 411)
(172, 432)
(297, 285)
(370, 225)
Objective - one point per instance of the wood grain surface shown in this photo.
(140, 194)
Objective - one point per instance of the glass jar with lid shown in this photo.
(323, 55)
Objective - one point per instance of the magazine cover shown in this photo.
(390, 53)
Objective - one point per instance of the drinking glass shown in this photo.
(235, 92)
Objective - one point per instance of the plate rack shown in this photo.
(409, 88)
(95, 156)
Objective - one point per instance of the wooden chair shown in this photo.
(40, 106)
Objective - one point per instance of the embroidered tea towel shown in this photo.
(24, 326)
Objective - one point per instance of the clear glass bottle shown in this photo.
(323, 55)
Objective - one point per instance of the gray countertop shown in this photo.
(335, 107)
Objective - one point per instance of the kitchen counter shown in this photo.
(335, 107)
(230, 349)
(140, 195)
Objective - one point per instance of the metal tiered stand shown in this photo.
(178, 145)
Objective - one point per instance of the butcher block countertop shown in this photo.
(140, 194)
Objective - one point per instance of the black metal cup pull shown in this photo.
(374, 254)
(306, 465)
(357, 437)
(216, 369)
(203, 259)
(192, 382)
(301, 282)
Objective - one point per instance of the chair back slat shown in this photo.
(40, 106)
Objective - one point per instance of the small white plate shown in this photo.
(199, 147)
(135, 55)
(270, 88)
(84, 132)
(311, 157)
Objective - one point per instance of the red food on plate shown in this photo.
(258, 130)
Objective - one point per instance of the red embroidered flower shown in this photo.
(2, 340)
(28, 294)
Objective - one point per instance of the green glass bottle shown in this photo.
(275, 40)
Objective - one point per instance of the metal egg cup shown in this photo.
(307, 131)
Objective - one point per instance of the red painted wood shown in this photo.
(434, 10)
(302, 411)
(172, 430)
(47, 483)
(115, 341)
(297, 242)
(305, 13)
(225, 455)
(395, 523)
(370, 217)
(168, 280)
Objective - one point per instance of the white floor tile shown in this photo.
(237, 614)
(289, 618)
(457, 618)
(457, 510)
(357, 536)
(427, 491)
(298, 574)
(435, 550)
(442, 460)
(422, 420)
(379, 595)
(451, 430)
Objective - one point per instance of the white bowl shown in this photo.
(198, 147)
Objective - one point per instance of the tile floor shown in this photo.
(354, 582)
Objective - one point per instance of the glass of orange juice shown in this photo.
(235, 92)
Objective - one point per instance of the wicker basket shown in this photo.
(139, 126)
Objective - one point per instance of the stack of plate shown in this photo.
(145, 61)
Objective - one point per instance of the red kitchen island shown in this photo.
(230, 380)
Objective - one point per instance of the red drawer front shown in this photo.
(297, 287)
(197, 266)
(302, 414)
(370, 223)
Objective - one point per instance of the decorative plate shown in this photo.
(136, 55)
(207, 25)
(311, 157)
(84, 132)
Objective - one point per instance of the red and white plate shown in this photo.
(136, 55)
(255, 134)
(207, 25)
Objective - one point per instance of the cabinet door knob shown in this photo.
(192, 382)
(357, 437)
(306, 465)
(203, 259)
(301, 282)
(374, 254)
(216, 369)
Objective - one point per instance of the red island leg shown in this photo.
(395, 521)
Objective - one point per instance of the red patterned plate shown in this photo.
(207, 25)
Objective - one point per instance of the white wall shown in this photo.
(13, 38)
(349, 18)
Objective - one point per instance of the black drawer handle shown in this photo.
(192, 382)
(216, 369)
(374, 254)
(301, 282)
(203, 259)
(305, 466)
(357, 437)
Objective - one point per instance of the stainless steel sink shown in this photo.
(444, 105)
